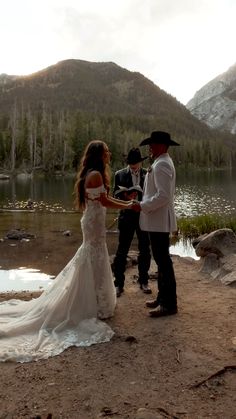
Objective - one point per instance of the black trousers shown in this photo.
(166, 283)
(128, 225)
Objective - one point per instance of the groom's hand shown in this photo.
(136, 206)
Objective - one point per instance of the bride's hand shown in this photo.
(134, 205)
(130, 204)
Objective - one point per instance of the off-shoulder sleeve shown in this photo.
(94, 193)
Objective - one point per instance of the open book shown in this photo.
(122, 189)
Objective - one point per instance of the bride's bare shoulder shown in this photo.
(93, 179)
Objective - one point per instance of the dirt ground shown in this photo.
(152, 368)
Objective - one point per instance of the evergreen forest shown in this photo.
(47, 119)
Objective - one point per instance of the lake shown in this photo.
(43, 205)
(200, 192)
(197, 193)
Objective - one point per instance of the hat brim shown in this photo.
(149, 140)
(136, 161)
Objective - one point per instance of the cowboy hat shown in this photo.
(134, 156)
(158, 137)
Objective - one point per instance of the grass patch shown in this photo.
(191, 227)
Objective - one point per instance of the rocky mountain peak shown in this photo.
(215, 103)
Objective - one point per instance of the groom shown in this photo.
(157, 217)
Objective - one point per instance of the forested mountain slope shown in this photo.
(46, 118)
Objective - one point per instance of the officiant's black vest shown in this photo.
(123, 177)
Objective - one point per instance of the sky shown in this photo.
(178, 44)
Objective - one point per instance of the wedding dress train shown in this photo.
(68, 312)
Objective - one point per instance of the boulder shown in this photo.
(218, 255)
(229, 262)
(221, 242)
(209, 263)
(227, 266)
(197, 240)
(19, 235)
(229, 279)
(66, 233)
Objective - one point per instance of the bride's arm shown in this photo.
(110, 202)
(94, 180)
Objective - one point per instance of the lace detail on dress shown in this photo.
(94, 234)
(94, 193)
(67, 313)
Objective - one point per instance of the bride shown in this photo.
(70, 311)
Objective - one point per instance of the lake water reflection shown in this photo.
(196, 193)
(23, 279)
(199, 193)
(52, 204)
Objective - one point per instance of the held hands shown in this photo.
(134, 205)
(129, 204)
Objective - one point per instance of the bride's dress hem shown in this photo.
(72, 310)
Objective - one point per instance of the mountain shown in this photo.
(48, 117)
(215, 103)
(91, 87)
(99, 88)
(5, 78)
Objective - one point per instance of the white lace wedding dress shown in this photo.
(68, 312)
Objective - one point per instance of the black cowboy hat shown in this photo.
(158, 137)
(134, 156)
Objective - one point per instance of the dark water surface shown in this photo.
(42, 206)
(199, 193)
(196, 192)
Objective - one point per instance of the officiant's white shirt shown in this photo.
(157, 204)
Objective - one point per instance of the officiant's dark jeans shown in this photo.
(128, 225)
(160, 243)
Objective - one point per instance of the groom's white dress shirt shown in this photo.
(157, 205)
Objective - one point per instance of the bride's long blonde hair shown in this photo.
(92, 159)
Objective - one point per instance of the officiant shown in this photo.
(129, 185)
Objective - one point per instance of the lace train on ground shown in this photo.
(68, 312)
